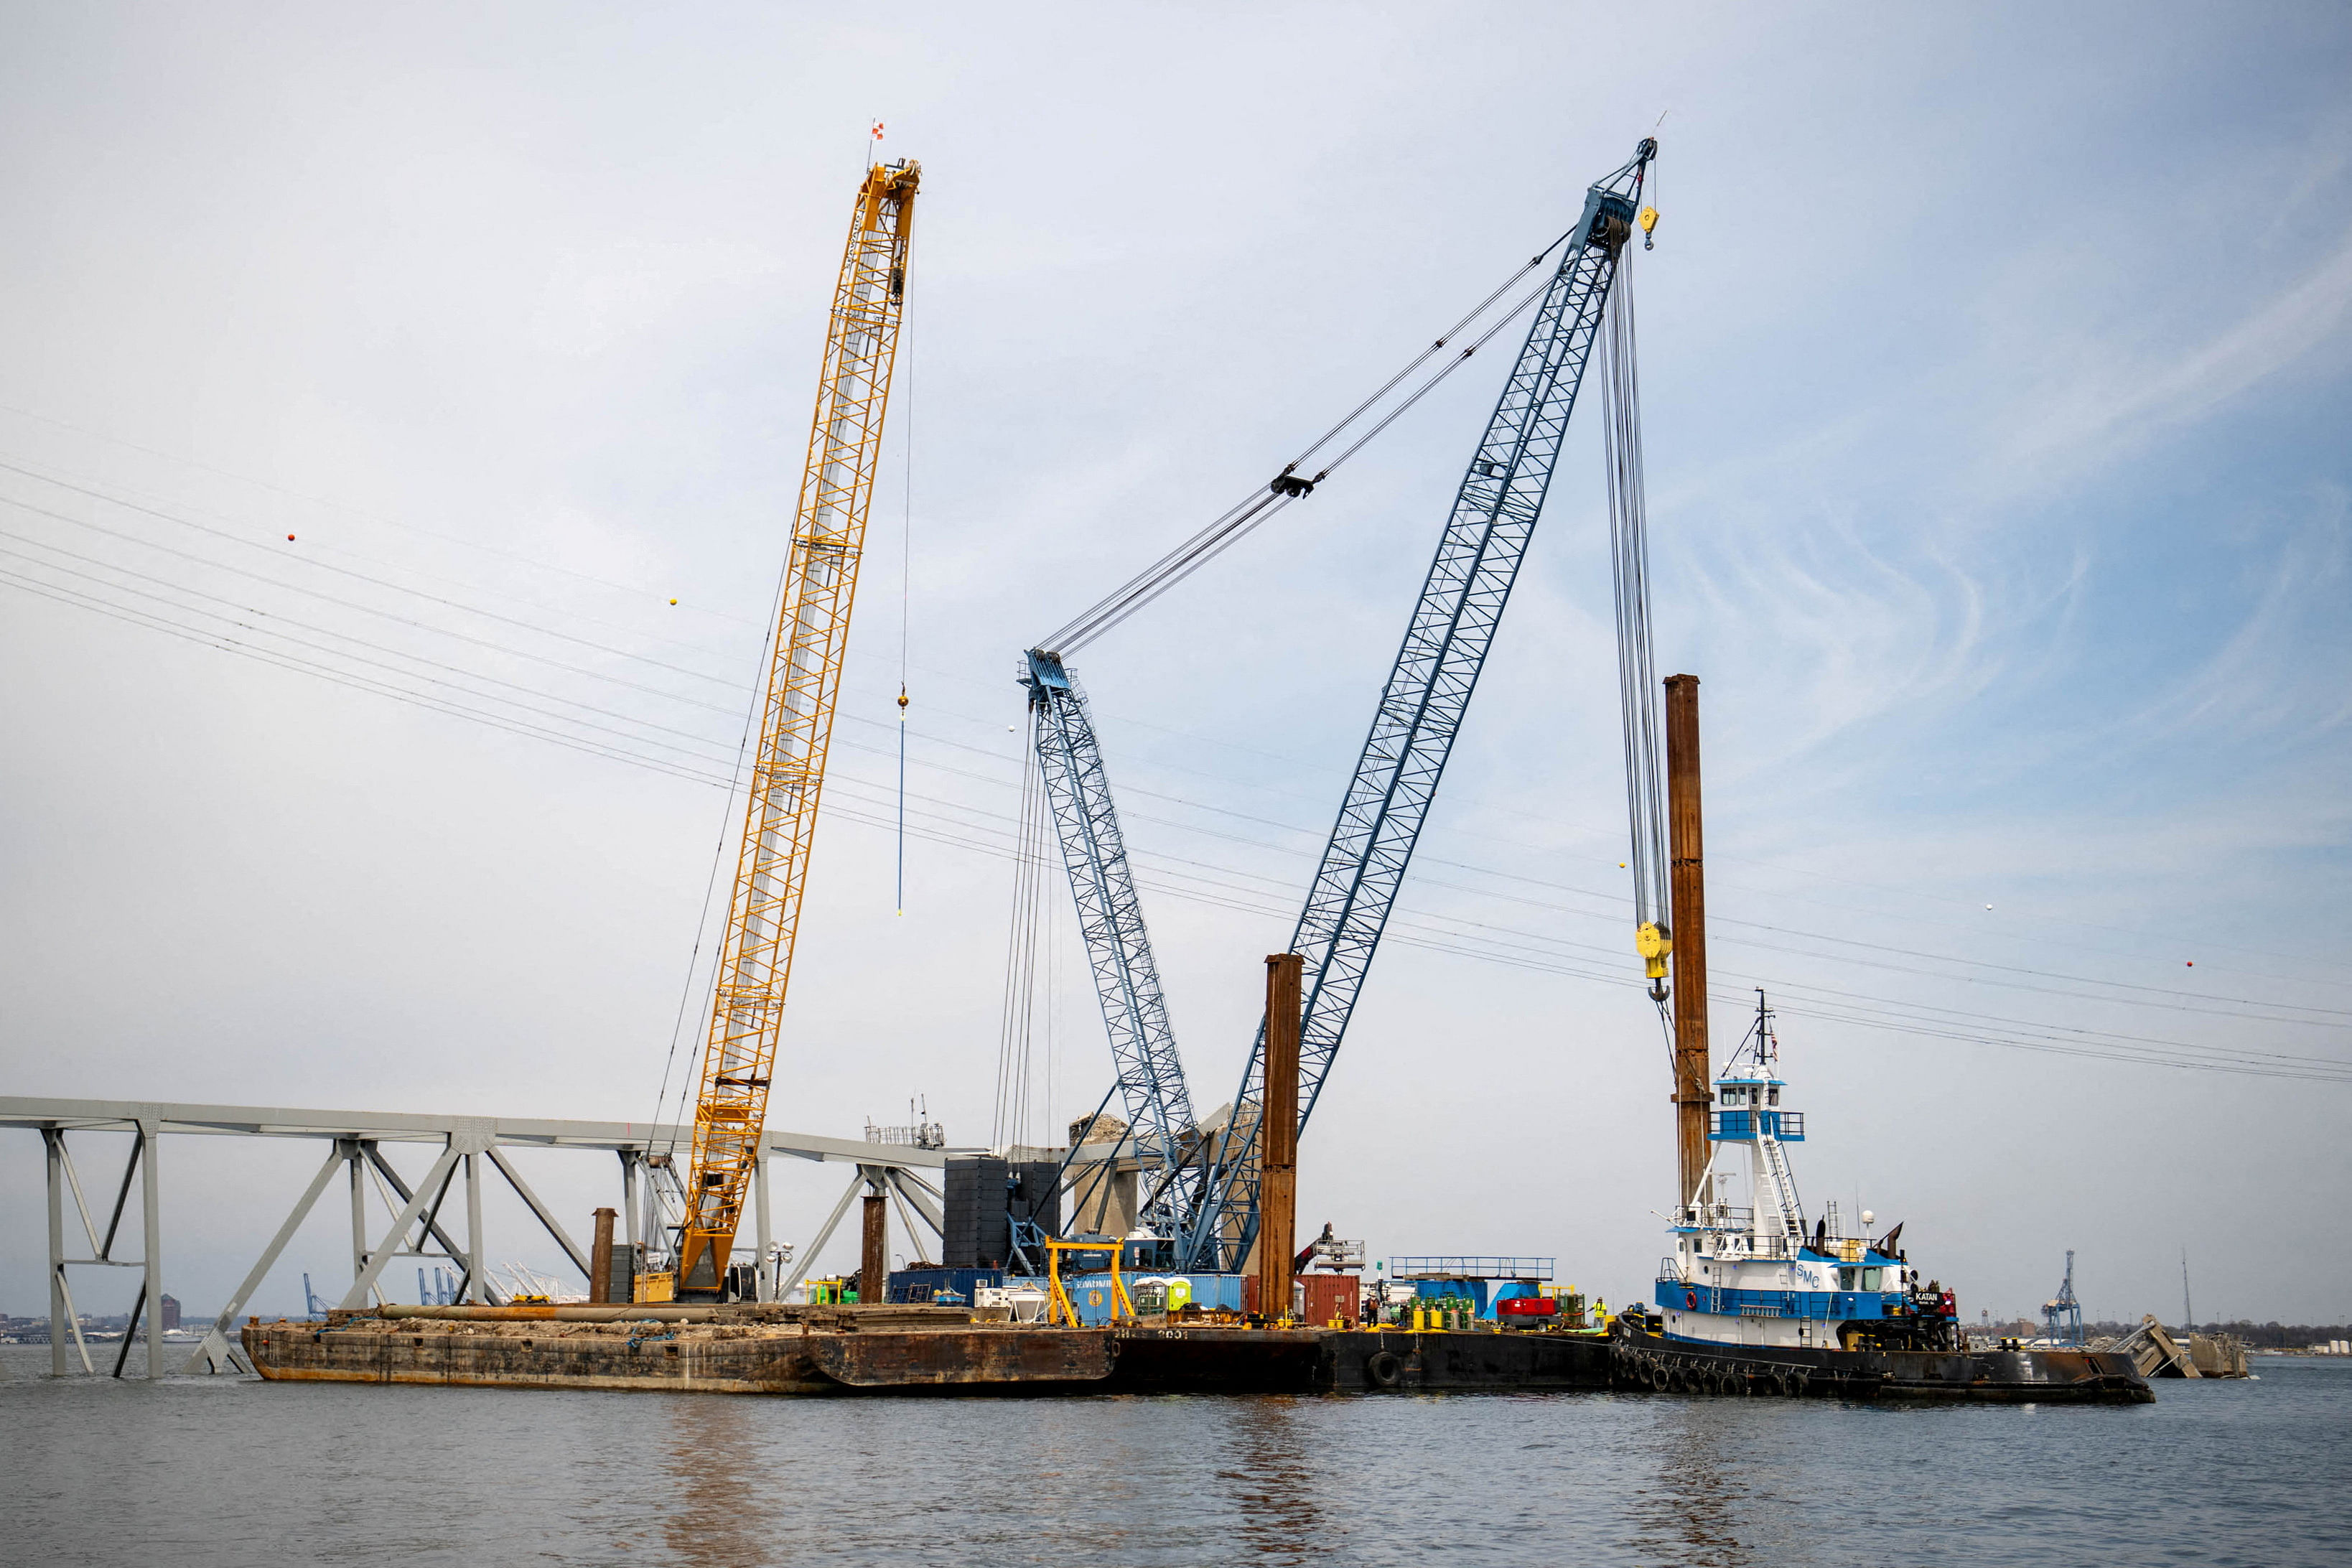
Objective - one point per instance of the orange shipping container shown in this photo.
(1328, 1296)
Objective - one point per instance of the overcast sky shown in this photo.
(1995, 382)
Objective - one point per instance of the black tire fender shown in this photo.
(1383, 1369)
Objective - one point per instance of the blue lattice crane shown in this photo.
(1118, 949)
(1428, 693)
(1202, 1194)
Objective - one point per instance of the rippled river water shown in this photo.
(204, 1471)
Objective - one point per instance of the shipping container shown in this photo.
(1330, 1296)
(1315, 1299)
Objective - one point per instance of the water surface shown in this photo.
(200, 1471)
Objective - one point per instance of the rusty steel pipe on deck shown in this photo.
(1687, 884)
(1278, 1229)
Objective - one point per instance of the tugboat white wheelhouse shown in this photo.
(1759, 1274)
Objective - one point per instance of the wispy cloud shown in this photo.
(2119, 400)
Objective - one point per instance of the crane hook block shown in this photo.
(1654, 944)
(1649, 221)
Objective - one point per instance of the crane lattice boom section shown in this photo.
(1428, 693)
(1118, 949)
(755, 960)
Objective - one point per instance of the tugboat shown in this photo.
(1752, 1300)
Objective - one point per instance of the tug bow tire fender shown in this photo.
(1383, 1369)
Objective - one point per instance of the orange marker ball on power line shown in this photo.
(289, 539)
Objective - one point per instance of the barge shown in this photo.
(879, 1350)
(897, 1351)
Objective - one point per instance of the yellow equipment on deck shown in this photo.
(1060, 1309)
(764, 909)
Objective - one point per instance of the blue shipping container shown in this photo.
(1090, 1294)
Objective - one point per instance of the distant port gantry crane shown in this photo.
(2062, 1315)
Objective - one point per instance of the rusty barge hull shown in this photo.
(759, 1359)
(844, 1358)
(798, 1359)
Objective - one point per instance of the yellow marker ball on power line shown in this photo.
(673, 601)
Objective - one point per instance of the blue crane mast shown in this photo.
(1428, 693)
(1150, 1076)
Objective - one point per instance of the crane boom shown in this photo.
(1118, 949)
(755, 958)
(1428, 693)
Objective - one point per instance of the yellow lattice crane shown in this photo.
(763, 908)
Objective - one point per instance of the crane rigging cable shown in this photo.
(1017, 1018)
(1247, 514)
(1637, 681)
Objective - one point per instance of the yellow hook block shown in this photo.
(1654, 944)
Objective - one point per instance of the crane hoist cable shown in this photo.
(1637, 683)
(755, 955)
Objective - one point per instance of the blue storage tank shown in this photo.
(1475, 1290)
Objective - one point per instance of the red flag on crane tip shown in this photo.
(878, 131)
